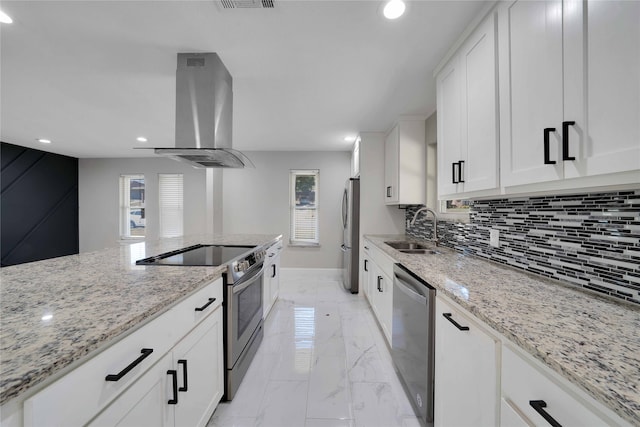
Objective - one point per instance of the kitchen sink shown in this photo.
(406, 246)
(419, 251)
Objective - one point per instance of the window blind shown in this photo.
(304, 207)
(170, 188)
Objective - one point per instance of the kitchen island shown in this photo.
(592, 341)
(58, 313)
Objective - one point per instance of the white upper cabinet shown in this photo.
(405, 163)
(602, 86)
(468, 117)
(569, 89)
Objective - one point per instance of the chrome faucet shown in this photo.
(435, 222)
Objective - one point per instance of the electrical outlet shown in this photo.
(494, 238)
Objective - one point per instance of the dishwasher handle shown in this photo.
(410, 290)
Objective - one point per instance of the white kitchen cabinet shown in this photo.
(199, 361)
(141, 374)
(569, 90)
(271, 283)
(527, 384)
(366, 273)
(467, 116)
(380, 287)
(405, 163)
(145, 402)
(602, 86)
(197, 365)
(466, 369)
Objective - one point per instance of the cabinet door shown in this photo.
(391, 162)
(466, 373)
(602, 86)
(448, 86)
(385, 304)
(530, 90)
(145, 403)
(274, 278)
(266, 291)
(479, 115)
(198, 359)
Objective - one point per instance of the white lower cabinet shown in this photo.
(466, 370)
(379, 286)
(534, 396)
(131, 382)
(271, 283)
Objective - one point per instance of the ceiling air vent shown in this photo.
(247, 4)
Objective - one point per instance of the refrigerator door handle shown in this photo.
(345, 198)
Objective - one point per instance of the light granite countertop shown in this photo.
(58, 312)
(592, 341)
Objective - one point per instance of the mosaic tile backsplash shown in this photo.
(591, 240)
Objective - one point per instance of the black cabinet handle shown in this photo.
(453, 173)
(456, 324)
(174, 373)
(211, 300)
(460, 166)
(366, 247)
(547, 161)
(365, 264)
(565, 140)
(379, 280)
(538, 405)
(115, 377)
(183, 362)
(274, 271)
(389, 191)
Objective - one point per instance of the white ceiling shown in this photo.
(94, 75)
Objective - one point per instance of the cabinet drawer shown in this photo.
(75, 398)
(381, 259)
(196, 307)
(78, 396)
(525, 386)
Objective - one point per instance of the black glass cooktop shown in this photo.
(198, 255)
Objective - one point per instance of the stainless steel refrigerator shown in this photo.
(350, 234)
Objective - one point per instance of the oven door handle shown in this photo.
(248, 282)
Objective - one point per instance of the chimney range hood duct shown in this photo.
(204, 114)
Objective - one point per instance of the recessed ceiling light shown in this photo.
(141, 139)
(4, 18)
(349, 138)
(44, 141)
(393, 9)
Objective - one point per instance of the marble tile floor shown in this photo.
(323, 363)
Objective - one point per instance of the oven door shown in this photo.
(244, 312)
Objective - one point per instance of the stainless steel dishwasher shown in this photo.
(413, 338)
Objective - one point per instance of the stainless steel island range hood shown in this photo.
(204, 114)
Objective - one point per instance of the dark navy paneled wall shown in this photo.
(38, 204)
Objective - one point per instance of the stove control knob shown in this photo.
(236, 267)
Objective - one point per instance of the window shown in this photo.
(132, 211)
(171, 202)
(304, 207)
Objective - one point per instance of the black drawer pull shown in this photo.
(456, 324)
(565, 140)
(538, 405)
(365, 264)
(389, 191)
(460, 166)
(453, 173)
(211, 300)
(115, 377)
(547, 161)
(183, 362)
(379, 281)
(174, 373)
(274, 271)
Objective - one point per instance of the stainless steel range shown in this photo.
(243, 279)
